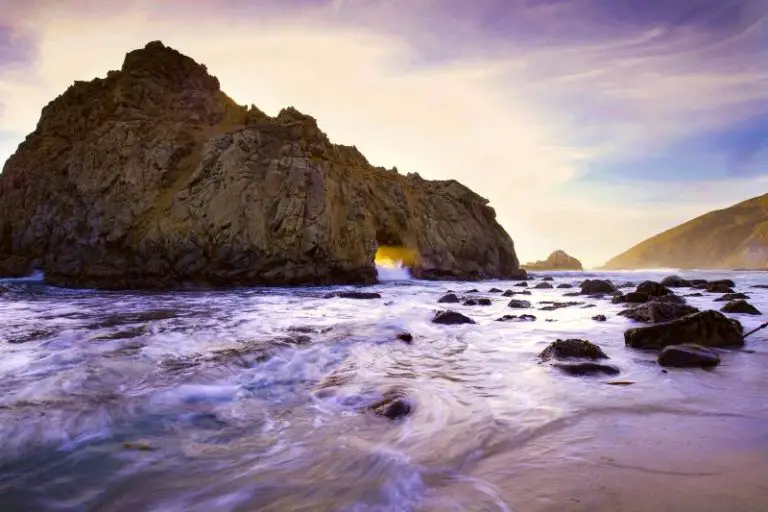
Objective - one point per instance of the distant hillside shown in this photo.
(735, 237)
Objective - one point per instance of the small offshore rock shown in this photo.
(521, 284)
(405, 336)
(732, 296)
(547, 278)
(564, 285)
(516, 318)
(675, 282)
(451, 318)
(587, 306)
(473, 290)
(740, 306)
(572, 348)
(354, 295)
(494, 290)
(706, 328)
(718, 288)
(697, 294)
(508, 293)
(552, 305)
(688, 355)
(482, 301)
(584, 368)
(628, 284)
(543, 285)
(631, 298)
(519, 304)
(448, 298)
(571, 294)
(599, 318)
(596, 286)
(761, 286)
(653, 289)
(525, 292)
(655, 312)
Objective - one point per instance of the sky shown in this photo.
(590, 125)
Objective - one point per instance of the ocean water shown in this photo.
(254, 399)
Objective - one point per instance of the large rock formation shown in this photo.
(558, 260)
(153, 177)
(723, 239)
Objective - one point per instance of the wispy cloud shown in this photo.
(552, 109)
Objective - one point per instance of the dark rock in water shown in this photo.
(688, 355)
(564, 285)
(508, 293)
(473, 290)
(550, 320)
(405, 336)
(697, 294)
(655, 312)
(675, 282)
(354, 295)
(552, 305)
(740, 306)
(572, 348)
(547, 278)
(515, 318)
(394, 406)
(706, 328)
(525, 292)
(698, 282)
(594, 286)
(482, 301)
(731, 296)
(494, 290)
(584, 368)
(628, 284)
(589, 306)
(519, 304)
(521, 284)
(451, 318)
(571, 294)
(763, 286)
(599, 318)
(670, 299)
(718, 288)
(542, 286)
(724, 282)
(14, 266)
(631, 298)
(448, 298)
(653, 289)
(152, 177)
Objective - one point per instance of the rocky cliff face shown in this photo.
(152, 177)
(734, 237)
(558, 260)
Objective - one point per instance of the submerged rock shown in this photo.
(405, 336)
(516, 318)
(655, 312)
(519, 304)
(572, 348)
(521, 284)
(583, 368)
(731, 296)
(597, 286)
(543, 285)
(448, 298)
(393, 406)
(354, 295)
(697, 294)
(564, 285)
(451, 318)
(571, 294)
(675, 282)
(706, 328)
(482, 301)
(508, 293)
(552, 305)
(152, 177)
(599, 318)
(688, 355)
(740, 306)
(494, 290)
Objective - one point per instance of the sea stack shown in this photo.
(154, 178)
(558, 260)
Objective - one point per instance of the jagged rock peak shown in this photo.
(165, 63)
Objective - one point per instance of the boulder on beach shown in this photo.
(657, 312)
(706, 328)
(451, 318)
(688, 355)
(740, 306)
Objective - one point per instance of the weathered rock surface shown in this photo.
(558, 260)
(740, 306)
(653, 289)
(656, 312)
(675, 282)
(597, 286)
(707, 328)
(154, 178)
(688, 356)
(572, 348)
(451, 318)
